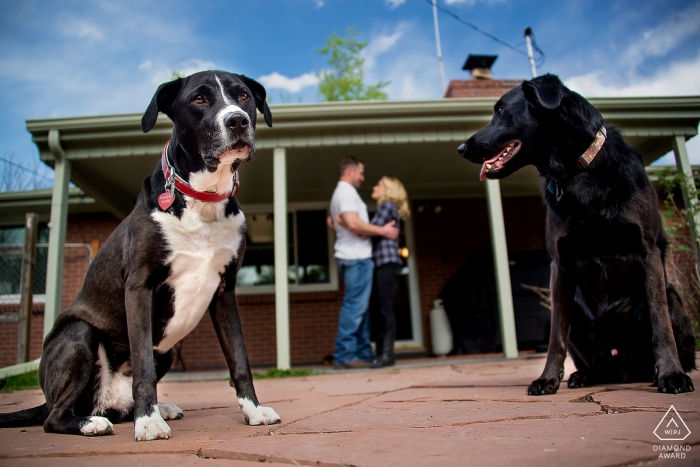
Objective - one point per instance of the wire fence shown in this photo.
(11, 269)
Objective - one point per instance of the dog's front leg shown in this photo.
(227, 322)
(562, 289)
(148, 422)
(668, 373)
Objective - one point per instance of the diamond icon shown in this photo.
(672, 427)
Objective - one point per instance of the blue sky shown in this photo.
(70, 58)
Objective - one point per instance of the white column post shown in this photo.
(57, 232)
(690, 194)
(414, 283)
(501, 268)
(279, 177)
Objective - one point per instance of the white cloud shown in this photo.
(395, 3)
(161, 72)
(82, 30)
(412, 69)
(378, 46)
(276, 80)
(676, 79)
(658, 41)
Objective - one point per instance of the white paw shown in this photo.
(151, 427)
(258, 415)
(170, 411)
(97, 426)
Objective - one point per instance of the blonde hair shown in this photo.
(394, 192)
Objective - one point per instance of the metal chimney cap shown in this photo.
(479, 61)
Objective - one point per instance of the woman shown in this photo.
(392, 205)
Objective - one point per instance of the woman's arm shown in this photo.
(353, 223)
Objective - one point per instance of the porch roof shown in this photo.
(415, 141)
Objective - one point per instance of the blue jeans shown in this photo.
(353, 339)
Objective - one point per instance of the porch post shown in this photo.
(279, 177)
(690, 194)
(57, 232)
(500, 259)
(413, 283)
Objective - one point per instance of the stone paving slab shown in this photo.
(148, 460)
(20, 400)
(451, 414)
(601, 440)
(372, 415)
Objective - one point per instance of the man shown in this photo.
(353, 253)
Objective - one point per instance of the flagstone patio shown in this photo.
(447, 412)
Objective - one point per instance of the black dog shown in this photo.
(173, 258)
(610, 299)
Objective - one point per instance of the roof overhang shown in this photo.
(415, 141)
(15, 204)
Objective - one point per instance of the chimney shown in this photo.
(480, 65)
(481, 83)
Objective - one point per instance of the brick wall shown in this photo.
(445, 240)
(447, 231)
(9, 333)
(313, 321)
(450, 231)
(313, 316)
(82, 228)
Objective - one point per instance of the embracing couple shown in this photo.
(367, 253)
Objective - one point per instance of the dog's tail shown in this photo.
(28, 417)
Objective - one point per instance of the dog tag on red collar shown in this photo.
(165, 200)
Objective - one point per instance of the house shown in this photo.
(289, 292)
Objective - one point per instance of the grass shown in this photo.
(275, 373)
(24, 381)
(31, 380)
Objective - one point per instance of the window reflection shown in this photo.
(308, 254)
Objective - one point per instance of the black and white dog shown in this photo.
(173, 258)
(612, 307)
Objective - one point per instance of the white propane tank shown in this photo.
(440, 330)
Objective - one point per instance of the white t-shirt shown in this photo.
(349, 245)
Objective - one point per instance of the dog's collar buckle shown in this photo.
(173, 181)
(170, 183)
(585, 160)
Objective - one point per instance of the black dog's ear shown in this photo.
(162, 101)
(544, 91)
(259, 93)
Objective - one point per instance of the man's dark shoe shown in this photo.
(382, 362)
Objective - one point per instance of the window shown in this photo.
(11, 250)
(309, 255)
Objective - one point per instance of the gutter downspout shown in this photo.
(57, 231)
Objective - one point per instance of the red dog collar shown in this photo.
(174, 181)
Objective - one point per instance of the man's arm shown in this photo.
(353, 223)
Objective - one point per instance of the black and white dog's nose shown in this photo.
(462, 149)
(236, 121)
